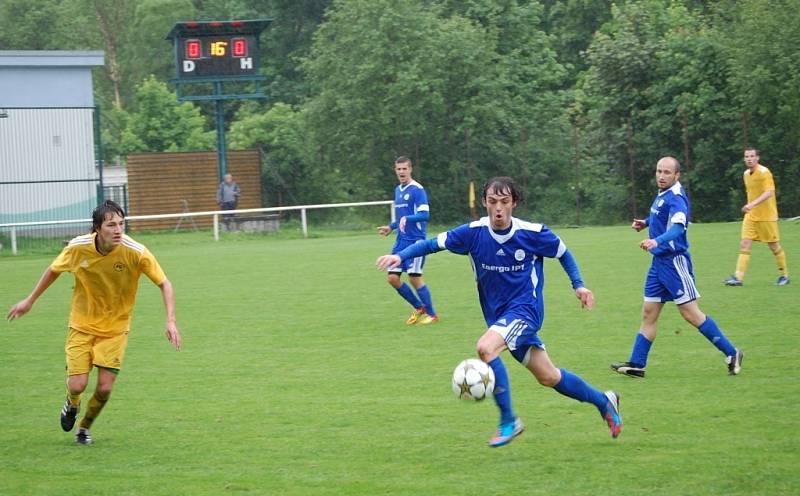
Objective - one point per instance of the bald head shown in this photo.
(669, 162)
(668, 170)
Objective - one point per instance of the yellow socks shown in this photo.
(780, 261)
(93, 409)
(741, 263)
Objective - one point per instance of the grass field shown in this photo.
(298, 376)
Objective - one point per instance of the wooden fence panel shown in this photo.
(160, 183)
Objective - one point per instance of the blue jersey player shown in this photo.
(412, 213)
(507, 256)
(670, 277)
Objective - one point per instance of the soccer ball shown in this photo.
(473, 380)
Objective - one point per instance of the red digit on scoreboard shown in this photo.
(193, 49)
(239, 47)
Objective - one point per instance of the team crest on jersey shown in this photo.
(84, 264)
(519, 255)
(660, 202)
(406, 197)
(119, 266)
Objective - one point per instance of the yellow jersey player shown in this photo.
(760, 220)
(106, 265)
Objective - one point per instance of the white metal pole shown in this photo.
(303, 221)
(216, 227)
(392, 213)
(13, 240)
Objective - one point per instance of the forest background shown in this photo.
(575, 99)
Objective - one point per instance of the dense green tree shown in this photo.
(760, 40)
(572, 24)
(689, 115)
(26, 25)
(161, 124)
(622, 61)
(454, 89)
(289, 175)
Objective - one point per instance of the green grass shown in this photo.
(298, 376)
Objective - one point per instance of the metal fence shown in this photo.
(12, 235)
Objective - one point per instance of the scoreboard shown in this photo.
(216, 48)
(217, 56)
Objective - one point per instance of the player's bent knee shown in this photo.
(77, 383)
(548, 378)
(487, 350)
(103, 391)
(487, 354)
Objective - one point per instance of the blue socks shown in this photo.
(709, 329)
(573, 386)
(641, 348)
(425, 296)
(713, 333)
(570, 385)
(408, 295)
(421, 299)
(502, 391)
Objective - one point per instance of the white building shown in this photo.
(47, 143)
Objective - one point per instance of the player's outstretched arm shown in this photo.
(172, 332)
(415, 250)
(639, 224)
(384, 230)
(570, 266)
(24, 306)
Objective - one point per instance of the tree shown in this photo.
(289, 175)
(452, 89)
(161, 124)
(760, 37)
(622, 57)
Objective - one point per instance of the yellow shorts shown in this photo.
(85, 350)
(765, 231)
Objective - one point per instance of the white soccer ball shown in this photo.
(473, 380)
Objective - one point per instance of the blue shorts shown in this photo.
(519, 334)
(671, 279)
(412, 266)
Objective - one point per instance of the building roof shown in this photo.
(50, 58)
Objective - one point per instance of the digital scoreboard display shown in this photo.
(217, 56)
(216, 48)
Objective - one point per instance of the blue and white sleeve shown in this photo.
(420, 249)
(421, 216)
(570, 266)
(673, 232)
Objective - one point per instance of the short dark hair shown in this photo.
(402, 159)
(502, 185)
(100, 212)
(752, 148)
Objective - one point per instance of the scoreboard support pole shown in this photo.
(222, 148)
